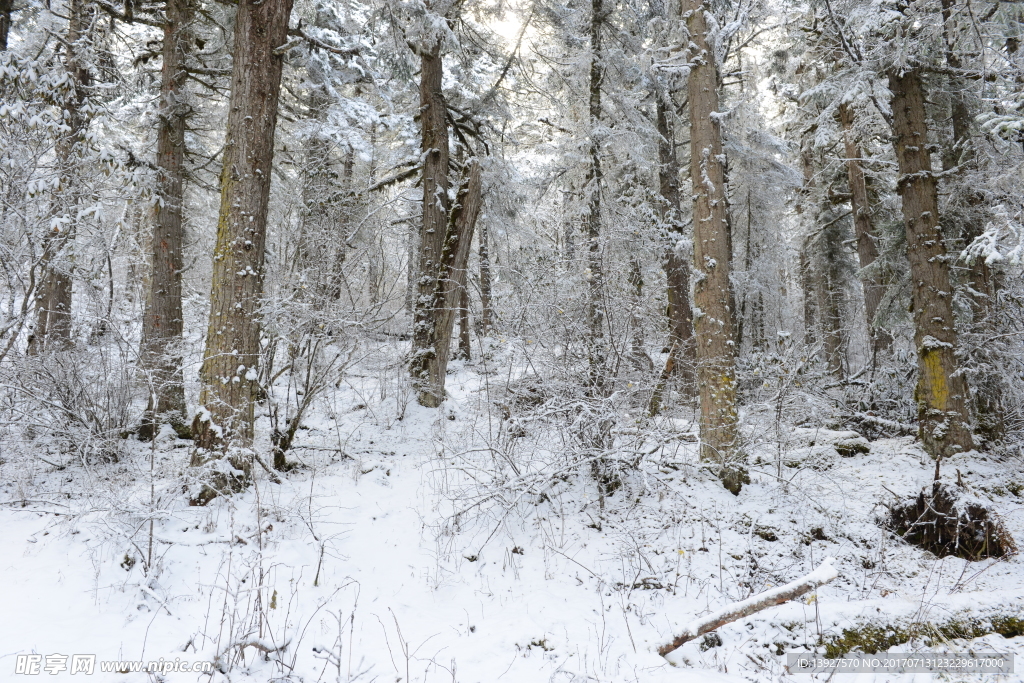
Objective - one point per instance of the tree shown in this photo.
(712, 251)
(864, 230)
(163, 317)
(230, 360)
(596, 353)
(6, 10)
(680, 361)
(941, 394)
(429, 356)
(52, 330)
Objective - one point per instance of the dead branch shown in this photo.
(737, 610)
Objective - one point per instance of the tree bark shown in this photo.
(809, 286)
(941, 394)
(638, 355)
(448, 277)
(750, 327)
(831, 300)
(486, 311)
(426, 365)
(596, 351)
(864, 231)
(712, 249)
(464, 352)
(983, 282)
(677, 270)
(231, 359)
(6, 10)
(163, 320)
(52, 330)
(980, 275)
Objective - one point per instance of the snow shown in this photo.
(402, 551)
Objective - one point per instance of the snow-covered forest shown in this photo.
(509, 340)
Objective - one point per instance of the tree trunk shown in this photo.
(677, 270)
(426, 365)
(750, 326)
(712, 249)
(52, 330)
(6, 9)
(809, 285)
(983, 282)
(831, 299)
(448, 278)
(864, 231)
(315, 224)
(638, 355)
(464, 352)
(486, 310)
(821, 265)
(596, 352)
(230, 362)
(979, 274)
(162, 320)
(941, 394)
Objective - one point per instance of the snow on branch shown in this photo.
(744, 608)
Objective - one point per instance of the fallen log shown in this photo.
(744, 608)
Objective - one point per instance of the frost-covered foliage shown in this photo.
(379, 539)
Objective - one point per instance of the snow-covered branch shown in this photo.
(744, 608)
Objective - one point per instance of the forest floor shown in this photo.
(417, 545)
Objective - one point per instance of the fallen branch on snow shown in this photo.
(744, 608)
(898, 427)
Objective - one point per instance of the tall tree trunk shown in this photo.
(230, 362)
(864, 231)
(426, 365)
(809, 285)
(979, 274)
(983, 282)
(821, 262)
(831, 299)
(162, 320)
(596, 352)
(712, 249)
(750, 326)
(52, 330)
(677, 270)
(315, 223)
(941, 394)
(486, 310)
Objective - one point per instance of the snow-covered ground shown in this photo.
(408, 548)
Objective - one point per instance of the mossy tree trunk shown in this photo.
(712, 250)
(426, 366)
(941, 393)
(230, 362)
(448, 276)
